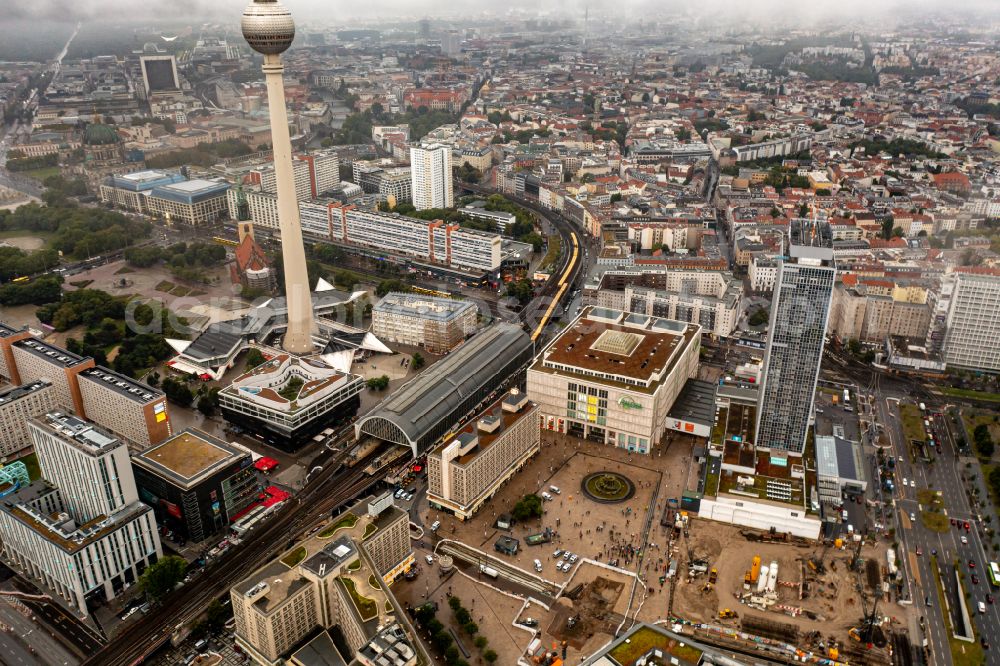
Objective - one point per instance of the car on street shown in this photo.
(964, 539)
(913, 516)
(985, 643)
(966, 525)
(558, 553)
(990, 599)
(975, 579)
(920, 551)
(972, 564)
(430, 559)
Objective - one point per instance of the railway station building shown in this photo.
(451, 392)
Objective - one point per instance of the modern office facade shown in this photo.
(436, 324)
(800, 308)
(130, 191)
(430, 172)
(17, 405)
(972, 334)
(612, 377)
(467, 470)
(197, 484)
(81, 531)
(277, 606)
(716, 316)
(191, 202)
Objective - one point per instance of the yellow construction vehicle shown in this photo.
(726, 613)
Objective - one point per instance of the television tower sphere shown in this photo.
(268, 27)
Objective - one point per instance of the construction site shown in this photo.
(825, 598)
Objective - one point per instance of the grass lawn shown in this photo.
(348, 520)
(552, 255)
(81, 284)
(294, 557)
(41, 174)
(962, 653)
(711, 484)
(165, 286)
(366, 607)
(913, 423)
(971, 395)
(123, 270)
(25, 233)
(935, 522)
(180, 290)
(370, 529)
(645, 639)
(354, 566)
(373, 581)
(31, 462)
(196, 292)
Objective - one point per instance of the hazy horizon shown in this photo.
(722, 11)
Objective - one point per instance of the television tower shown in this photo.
(269, 30)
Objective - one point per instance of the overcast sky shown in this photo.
(341, 12)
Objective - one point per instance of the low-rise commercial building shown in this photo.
(338, 577)
(197, 484)
(17, 405)
(612, 377)
(436, 324)
(288, 399)
(467, 470)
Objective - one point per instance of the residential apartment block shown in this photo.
(466, 471)
(430, 170)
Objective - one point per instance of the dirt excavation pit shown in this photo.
(590, 613)
(813, 600)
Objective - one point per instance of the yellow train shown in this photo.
(563, 285)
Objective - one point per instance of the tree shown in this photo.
(254, 358)
(887, 224)
(471, 628)
(216, 615)
(451, 654)
(418, 361)
(159, 578)
(481, 641)
(758, 317)
(523, 290)
(177, 392)
(616, 197)
(386, 286)
(378, 383)
(529, 506)
(490, 656)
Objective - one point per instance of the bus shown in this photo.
(23, 278)
(994, 574)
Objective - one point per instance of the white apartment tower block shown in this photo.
(430, 173)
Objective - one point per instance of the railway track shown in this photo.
(333, 487)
